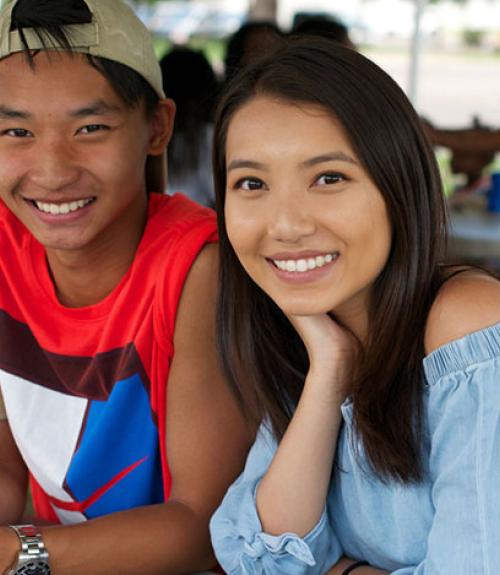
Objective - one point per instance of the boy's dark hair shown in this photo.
(48, 19)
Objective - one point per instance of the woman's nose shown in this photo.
(290, 219)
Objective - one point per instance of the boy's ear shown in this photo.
(162, 125)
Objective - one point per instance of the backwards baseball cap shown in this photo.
(116, 34)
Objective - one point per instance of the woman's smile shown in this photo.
(304, 218)
(305, 267)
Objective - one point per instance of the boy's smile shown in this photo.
(72, 154)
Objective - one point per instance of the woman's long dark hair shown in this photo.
(263, 357)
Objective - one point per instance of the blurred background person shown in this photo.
(249, 42)
(322, 25)
(190, 81)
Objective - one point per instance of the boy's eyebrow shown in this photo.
(7, 113)
(97, 108)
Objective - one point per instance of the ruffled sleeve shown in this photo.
(464, 422)
(242, 548)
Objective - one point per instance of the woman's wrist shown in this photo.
(354, 566)
(350, 566)
(321, 388)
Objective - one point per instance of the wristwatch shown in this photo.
(33, 558)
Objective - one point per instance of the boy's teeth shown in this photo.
(58, 209)
(304, 265)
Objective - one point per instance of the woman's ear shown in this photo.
(162, 125)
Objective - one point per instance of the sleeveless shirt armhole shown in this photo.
(3, 413)
(186, 246)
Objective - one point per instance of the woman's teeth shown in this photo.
(62, 209)
(304, 265)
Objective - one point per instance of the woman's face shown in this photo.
(304, 218)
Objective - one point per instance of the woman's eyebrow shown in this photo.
(329, 157)
(235, 164)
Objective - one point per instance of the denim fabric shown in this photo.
(447, 525)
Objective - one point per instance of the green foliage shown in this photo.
(473, 38)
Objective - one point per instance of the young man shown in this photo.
(106, 308)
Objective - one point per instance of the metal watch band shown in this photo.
(33, 558)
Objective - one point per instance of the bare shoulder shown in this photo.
(204, 458)
(467, 302)
(197, 305)
(205, 264)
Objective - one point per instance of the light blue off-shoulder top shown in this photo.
(447, 525)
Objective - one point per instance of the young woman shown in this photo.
(373, 369)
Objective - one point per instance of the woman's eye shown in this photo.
(329, 179)
(18, 133)
(92, 128)
(249, 184)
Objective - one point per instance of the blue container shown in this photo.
(494, 193)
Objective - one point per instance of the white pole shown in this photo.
(415, 50)
(263, 10)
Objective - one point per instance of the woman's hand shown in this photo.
(333, 351)
(293, 492)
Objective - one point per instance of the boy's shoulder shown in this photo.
(177, 210)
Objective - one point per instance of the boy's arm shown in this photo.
(13, 487)
(13, 477)
(207, 443)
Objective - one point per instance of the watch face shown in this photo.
(34, 568)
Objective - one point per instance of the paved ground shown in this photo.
(452, 87)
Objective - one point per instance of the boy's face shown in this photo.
(72, 155)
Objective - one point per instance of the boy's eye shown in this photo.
(249, 184)
(18, 133)
(330, 178)
(91, 128)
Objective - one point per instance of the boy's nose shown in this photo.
(54, 167)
